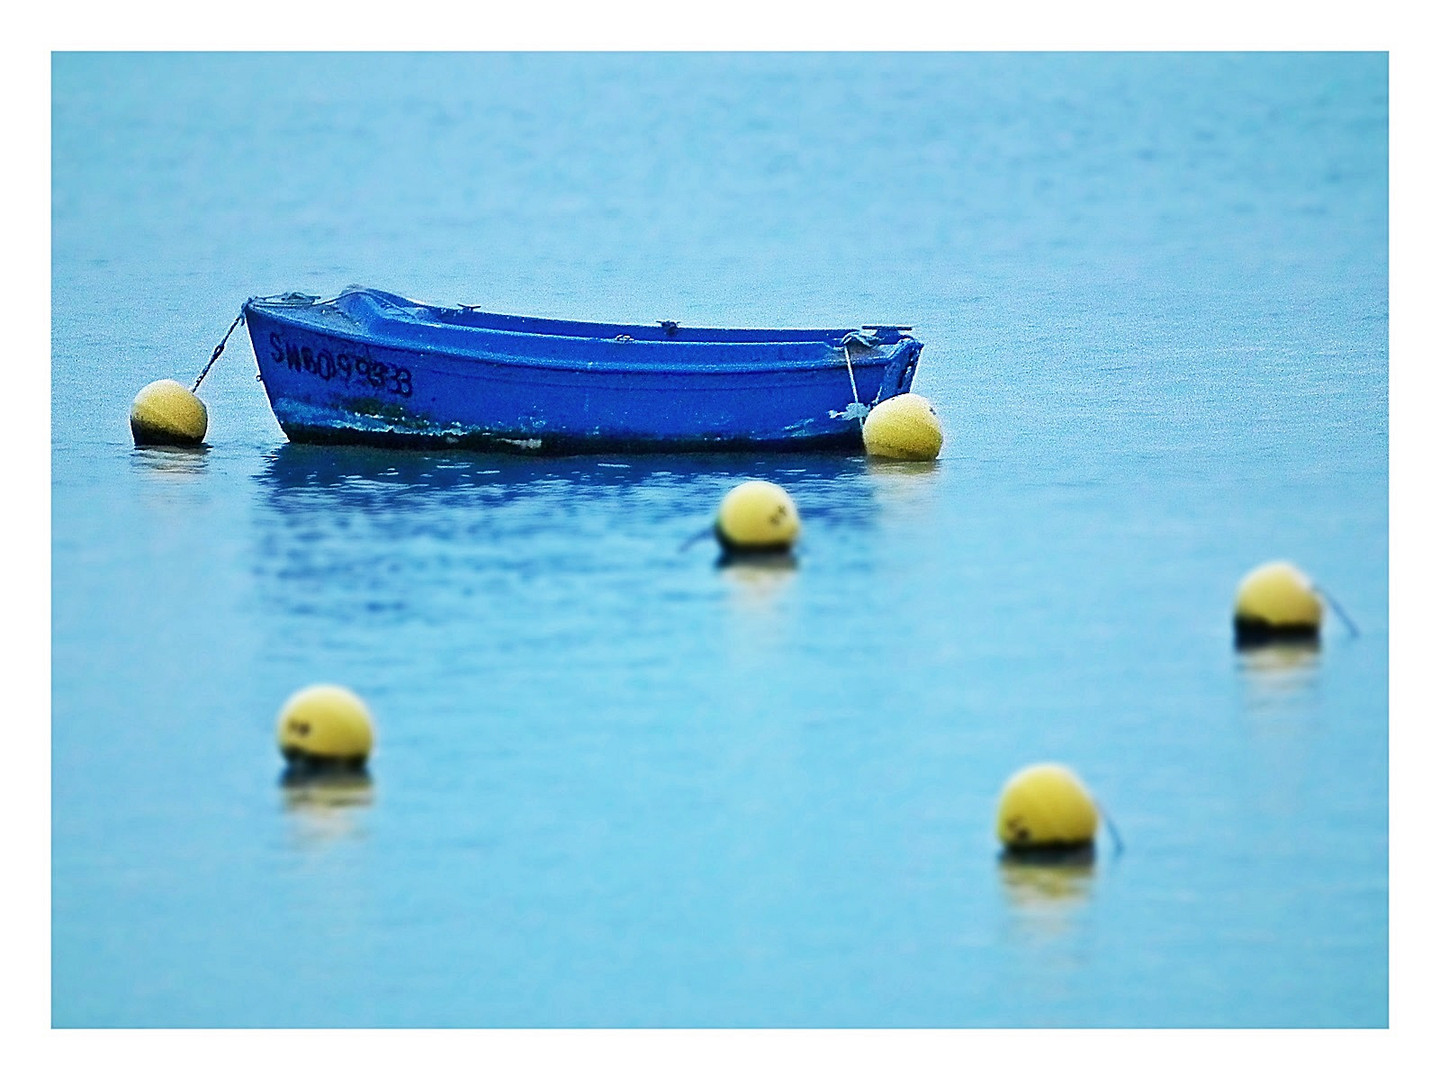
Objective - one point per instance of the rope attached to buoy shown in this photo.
(218, 350)
(1349, 622)
(1110, 828)
(854, 390)
(708, 530)
(858, 410)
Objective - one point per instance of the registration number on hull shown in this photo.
(348, 367)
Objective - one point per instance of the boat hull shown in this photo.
(340, 377)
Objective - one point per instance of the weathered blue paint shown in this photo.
(372, 367)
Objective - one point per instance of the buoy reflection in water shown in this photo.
(326, 806)
(757, 581)
(905, 489)
(183, 462)
(169, 480)
(897, 467)
(1279, 676)
(759, 611)
(906, 479)
(1045, 895)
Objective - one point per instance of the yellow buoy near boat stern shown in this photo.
(164, 413)
(905, 428)
(1276, 601)
(325, 725)
(757, 516)
(1046, 807)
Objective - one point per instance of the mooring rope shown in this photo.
(218, 350)
(709, 530)
(1335, 606)
(854, 390)
(1111, 829)
(857, 410)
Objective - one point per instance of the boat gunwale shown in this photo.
(289, 315)
(403, 311)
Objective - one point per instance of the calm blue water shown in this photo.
(615, 785)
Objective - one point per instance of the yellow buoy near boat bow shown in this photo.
(905, 428)
(164, 413)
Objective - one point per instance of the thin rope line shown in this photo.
(860, 409)
(218, 350)
(1111, 828)
(1349, 623)
(855, 390)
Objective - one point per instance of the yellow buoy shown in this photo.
(904, 427)
(1276, 602)
(1046, 808)
(757, 517)
(164, 413)
(325, 725)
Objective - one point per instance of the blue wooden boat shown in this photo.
(372, 367)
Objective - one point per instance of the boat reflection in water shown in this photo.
(375, 533)
(365, 478)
